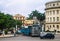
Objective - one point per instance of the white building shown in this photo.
(52, 16)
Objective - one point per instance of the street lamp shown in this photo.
(15, 29)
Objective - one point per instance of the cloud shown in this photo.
(16, 2)
(23, 7)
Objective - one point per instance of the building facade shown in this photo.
(19, 17)
(36, 20)
(28, 22)
(52, 21)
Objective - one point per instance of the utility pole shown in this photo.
(3, 32)
(15, 29)
(42, 28)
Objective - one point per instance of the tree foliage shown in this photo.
(18, 22)
(40, 16)
(7, 21)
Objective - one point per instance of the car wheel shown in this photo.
(53, 37)
(32, 35)
(41, 37)
(50, 38)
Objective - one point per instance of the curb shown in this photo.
(6, 36)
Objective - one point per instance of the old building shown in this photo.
(52, 16)
(19, 17)
(28, 22)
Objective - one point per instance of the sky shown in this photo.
(23, 7)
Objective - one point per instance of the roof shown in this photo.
(53, 1)
(18, 15)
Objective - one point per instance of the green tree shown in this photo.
(7, 21)
(10, 22)
(2, 16)
(33, 13)
(40, 16)
(19, 23)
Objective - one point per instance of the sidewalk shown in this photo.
(11, 35)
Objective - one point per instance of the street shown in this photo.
(28, 38)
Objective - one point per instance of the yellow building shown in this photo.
(52, 22)
(28, 22)
(19, 17)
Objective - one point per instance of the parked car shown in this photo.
(44, 35)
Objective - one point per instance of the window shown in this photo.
(57, 3)
(50, 26)
(57, 18)
(50, 12)
(50, 4)
(50, 19)
(57, 26)
(18, 18)
(53, 18)
(53, 4)
(53, 11)
(53, 25)
(57, 11)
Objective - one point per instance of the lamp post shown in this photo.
(3, 32)
(15, 29)
(42, 28)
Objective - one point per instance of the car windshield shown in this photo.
(35, 25)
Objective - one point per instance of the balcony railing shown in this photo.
(56, 7)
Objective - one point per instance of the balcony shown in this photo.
(56, 7)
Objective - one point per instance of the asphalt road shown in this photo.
(28, 38)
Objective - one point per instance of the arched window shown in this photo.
(50, 26)
(53, 25)
(53, 4)
(53, 12)
(57, 3)
(57, 18)
(57, 11)
(54, 19)
(57, 26)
